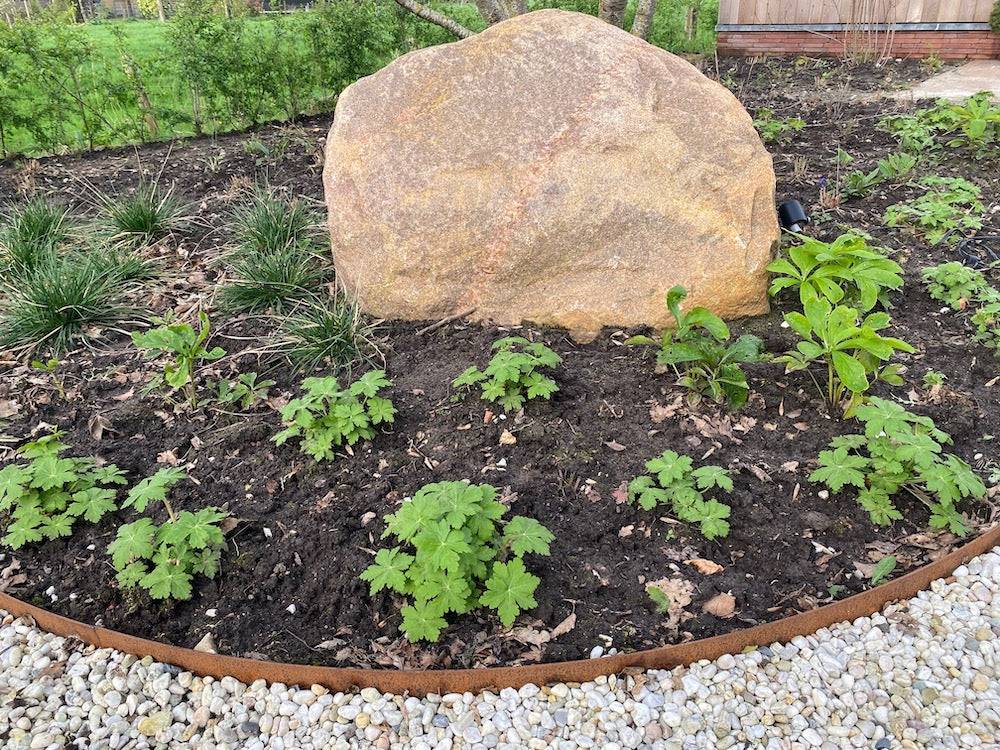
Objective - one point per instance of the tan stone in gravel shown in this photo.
(553, 169)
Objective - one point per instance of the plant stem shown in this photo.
(170, 510)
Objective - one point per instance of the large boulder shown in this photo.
(554, 169)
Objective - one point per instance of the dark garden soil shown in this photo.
(288, 588)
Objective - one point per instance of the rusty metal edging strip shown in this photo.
(420, 683)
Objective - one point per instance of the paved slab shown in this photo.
(958, 84)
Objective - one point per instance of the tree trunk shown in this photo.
(490, 10)
(160, 12)
(643, 22)
(428, 14)
(612, 11)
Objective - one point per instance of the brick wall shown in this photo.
(948, 45)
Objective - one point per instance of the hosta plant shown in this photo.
(513, 375)
(845, 271)
(44, 498)
(899, 451)
(327, 417)
(674, 483)
(165, 559)
(455, 554)
(187, 348)
(701, 355)
(853, 352)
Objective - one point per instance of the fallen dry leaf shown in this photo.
(625, 531)
(507, 438)
(865, 569)
(721, 605)
(97, 424)
(530, 636)
(167, 457)
(8, 408)
(124, 396)
(679, 591)
(229, 523)
(703, 566)
(368, 517)
(565, 626)
(620, 493)
(615, 446)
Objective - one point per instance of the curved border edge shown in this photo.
(422, 682)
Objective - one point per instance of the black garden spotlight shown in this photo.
(791, 215)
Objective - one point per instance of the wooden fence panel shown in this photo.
(840, 11)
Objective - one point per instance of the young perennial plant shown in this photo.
(844, 271)
(956, 284)
(165, 559)
(672, 481)
(463, 556)
(188, 349)
(950, 204)
(899, 451)
(699, 351)
(326, 416)
(512, 377)
(45, 497)
(854, 354)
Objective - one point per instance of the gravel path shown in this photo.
(922, 674)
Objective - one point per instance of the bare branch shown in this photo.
(429, 14)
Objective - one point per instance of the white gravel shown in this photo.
(922, 674)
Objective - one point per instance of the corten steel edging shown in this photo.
(419, 683)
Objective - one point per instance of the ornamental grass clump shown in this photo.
(61, 302)
(143, 216)
(30, 234)
(463, 556)
(276, 261)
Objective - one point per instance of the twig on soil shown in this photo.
(445, 321)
